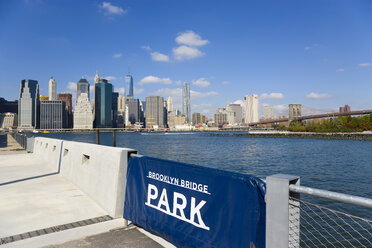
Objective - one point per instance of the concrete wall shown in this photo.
(48, 150)
(99, 171)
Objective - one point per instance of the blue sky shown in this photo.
(317, 53)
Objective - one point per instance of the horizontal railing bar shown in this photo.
(355, 200)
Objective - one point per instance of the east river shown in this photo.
(343, 166)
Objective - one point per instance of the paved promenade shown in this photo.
(12, 147)
(41, 208)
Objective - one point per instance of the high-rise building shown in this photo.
(179, 120)
(8, 106)
(67, 98)
(103, 104)
(129, 85)
(121, 103)
(133, 111)
(96, 78)
(29, 105)
(53, 114)
(345, 109)
(52, 89)
(115, 96)
(251, 109)
(237, 111)
(268, 112)
(154, 111)
(83, 118)
(169, 104)
(8, 120)
(198, 118)
(83, 86)
(222, 116)
(186, 106)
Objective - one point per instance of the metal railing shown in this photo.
(314, 222)
(21, 139)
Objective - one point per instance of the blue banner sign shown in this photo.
(194, 206)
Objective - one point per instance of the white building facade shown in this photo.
(251, 108)
(83, 118)
(52, 89)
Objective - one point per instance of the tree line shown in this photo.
(331, 125)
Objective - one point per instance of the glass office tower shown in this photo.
(103, 104)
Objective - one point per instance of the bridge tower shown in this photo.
(294, 111)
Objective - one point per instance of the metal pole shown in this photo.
(355, 200)
(97, 136)
(282, 223)
(114, 138)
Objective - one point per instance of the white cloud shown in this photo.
(225, 83)
(191, 39)
(154, 80)
(110, 9)
(275, 96)
(365, 64)
(121, 91)
(340, 70)
(72, 86)
(201, 82)
(159, 57)
(202, 105)
(313, 95)
(148, 48)
(197, 95)
(241, 102)
(281, 109)
(117, 55)
(178, 82)
(185, 52)
(177, 93)
(138, 91)
(307, 48)
(110, 78)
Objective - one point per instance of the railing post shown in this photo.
(97, 136)
(114, 138)
(282, 223)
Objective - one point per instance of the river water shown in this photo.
(338, 165)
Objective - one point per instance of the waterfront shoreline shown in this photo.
(299, 135)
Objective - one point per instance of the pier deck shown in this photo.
(40, 208)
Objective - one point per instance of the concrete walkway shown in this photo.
(120, 238)
(41, 208)
(12, 147)
(33, 196)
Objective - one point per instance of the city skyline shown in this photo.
(316, 53)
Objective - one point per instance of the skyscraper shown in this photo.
(52, 89)
(237, 111)
(103, 104)
(154, 111)
(251, 108)
(115, 96)
(83, 86)
(83, 118)
(133, 111)
(29, 104)
(169, 104)
(186, 108)
(129, 85)
(67, 98)
(53, 114)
